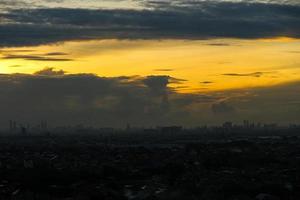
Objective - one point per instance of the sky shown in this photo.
(149, 62)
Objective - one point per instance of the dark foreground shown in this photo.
(90, 167)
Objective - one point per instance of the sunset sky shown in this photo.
(148, 63)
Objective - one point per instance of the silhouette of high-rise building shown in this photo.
(23, 130)
(128, 127)
(227, 125)
(44, 125)
(12, 126)
(246, 124)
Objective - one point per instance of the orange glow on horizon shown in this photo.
(207, 65)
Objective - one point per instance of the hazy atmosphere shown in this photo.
(149, 99)
(148, 63)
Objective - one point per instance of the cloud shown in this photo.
(50, 71)
(270, 104)
(183, 19)
(70, 99)
(158, 84)
(100, 101)
(219, 44)
(222, 108)
(16, 51)
(56, 54)
(164, 70)
(52, 56)
(206, 82)
(293, 51)
(254, 74)
(15, 66)
(35, 58)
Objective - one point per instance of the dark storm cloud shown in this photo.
(75, 98)
(31, 35)
(158, 84)
(270, 104)
(64, 98)
(189, 20)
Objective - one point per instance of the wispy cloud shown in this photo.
(293, 51)
(206, 82)
(219, 44)
(3, 51)
(56, 54)
(15, 66)
(164, 70)
(254, 74)
(52, 56)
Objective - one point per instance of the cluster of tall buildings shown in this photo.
(17, 127)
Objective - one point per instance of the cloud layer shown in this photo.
(85, 98)
(178, 19)
(143, 101)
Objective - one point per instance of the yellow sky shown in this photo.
(201, 63)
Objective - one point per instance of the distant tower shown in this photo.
(228, 125)
(23, 130)
(12, 126)
(44, 125)
(246, 124)
(128, 128)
